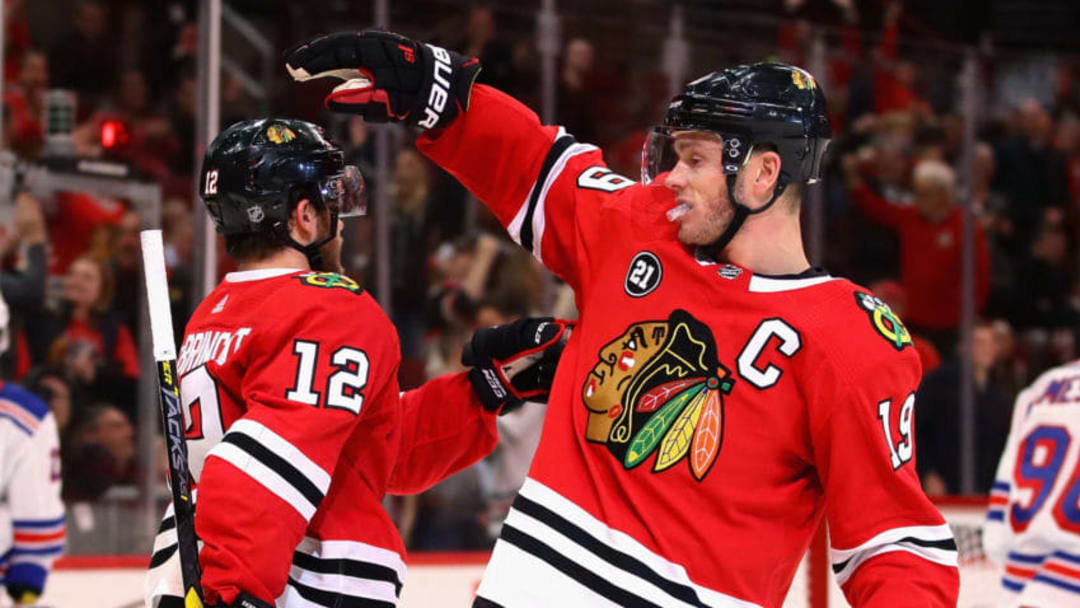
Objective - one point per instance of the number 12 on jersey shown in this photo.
(344, 384)
(202, 406)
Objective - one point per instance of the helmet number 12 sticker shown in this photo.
(211, 182)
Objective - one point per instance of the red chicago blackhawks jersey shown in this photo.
(295, 431)
(703, 419)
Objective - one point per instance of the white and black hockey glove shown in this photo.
(388, 77)
(515, 363)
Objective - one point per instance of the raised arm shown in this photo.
(873, 204)
(545, 187)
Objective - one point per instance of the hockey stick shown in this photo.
(157, 296)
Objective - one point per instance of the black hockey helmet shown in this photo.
(255, 171)
(772, 104)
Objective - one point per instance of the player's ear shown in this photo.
(767, 173)
(304, 221)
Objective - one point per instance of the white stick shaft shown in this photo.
(157, 295)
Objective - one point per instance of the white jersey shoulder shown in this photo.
(1033, 521)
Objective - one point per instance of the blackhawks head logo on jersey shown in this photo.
(659, 388)
(884, 320)
(330, 280)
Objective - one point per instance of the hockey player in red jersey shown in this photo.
(719, 395)
(288, 381)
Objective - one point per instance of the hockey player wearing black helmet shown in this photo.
(720, 396)
(296, 427)
(276, 184)
(733, 143)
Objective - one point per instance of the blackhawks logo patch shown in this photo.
(802, 79)
(280, 134)
(883, 320)
(659, 389)
(329, 280)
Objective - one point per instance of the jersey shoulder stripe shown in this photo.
(527, 227)
(562, 143)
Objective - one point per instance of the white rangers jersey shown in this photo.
(1033, 523)
(31, 513)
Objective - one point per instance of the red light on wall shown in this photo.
(113, 134)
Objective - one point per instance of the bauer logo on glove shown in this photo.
(515, 363)
(387, 77)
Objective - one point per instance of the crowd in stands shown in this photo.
(893, 199)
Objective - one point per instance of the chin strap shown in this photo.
(312, 251)
(713, 250)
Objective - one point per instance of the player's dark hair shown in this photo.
(252, 246)
(255, 246)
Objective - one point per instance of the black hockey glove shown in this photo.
(388, 77)
(515, 362)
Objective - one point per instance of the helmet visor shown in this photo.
(345, 193)
(662, 146)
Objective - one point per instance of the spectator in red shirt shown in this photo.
(931, 249)
(895, 78)
(73, 219)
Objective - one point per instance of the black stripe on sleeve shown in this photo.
(336, 600)
(167, 524)
(277, 464)
(162, 556)
(945, 544)
(612, 556)
(557, 149)
(579, 573)
(349, 567)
